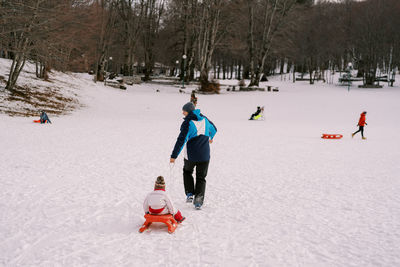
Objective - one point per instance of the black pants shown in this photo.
(254, 115)
(201, 172)
(361, 129)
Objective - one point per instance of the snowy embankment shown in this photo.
(58, 95)
(277, 194)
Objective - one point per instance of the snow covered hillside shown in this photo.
(277, 194)
(57, 96)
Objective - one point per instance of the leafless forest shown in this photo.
(201, 40)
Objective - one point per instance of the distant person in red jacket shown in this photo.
(361, 124)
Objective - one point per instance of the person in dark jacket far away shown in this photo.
(256, 113)
(197, 133)
(44, 118)
(361, 124)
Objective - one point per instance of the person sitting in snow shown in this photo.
(159, 203)
(361, 124)
(254, 115)
(44, 118)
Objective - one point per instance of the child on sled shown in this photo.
(43, 118)
(159, 203)
(258, 114)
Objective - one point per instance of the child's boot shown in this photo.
(178, 217)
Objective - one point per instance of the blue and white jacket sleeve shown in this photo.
(182, 139)
(212, 129)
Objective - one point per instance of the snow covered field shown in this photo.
(277, 194)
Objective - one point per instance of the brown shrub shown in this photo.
(212, 87)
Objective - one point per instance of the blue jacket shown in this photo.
(44, 118)
(196, 131)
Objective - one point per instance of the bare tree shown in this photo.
(20, 24)
(107, 14)
(260, 39)
(207, 30)
(374, 36)
(30, 30)
(152, 14)
(239, 38)
(131, 14)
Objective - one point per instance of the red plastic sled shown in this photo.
(38, 121)
(332, 136)
(168, 219)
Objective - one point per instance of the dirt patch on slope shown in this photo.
(27, 101)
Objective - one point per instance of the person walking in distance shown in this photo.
(196, 134)
(361, 124)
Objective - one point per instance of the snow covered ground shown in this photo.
(277, 194)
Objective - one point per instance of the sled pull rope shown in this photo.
(171, 180)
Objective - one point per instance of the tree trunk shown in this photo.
(204, 78)
(294, 73)
(16, 68)
(223, 70)
(273, 12)
(207, 29)
(250, 40)
(254, 78)
(215, 69)
(37, 69)
(219, 70)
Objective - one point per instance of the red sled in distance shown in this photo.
(331, 136)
